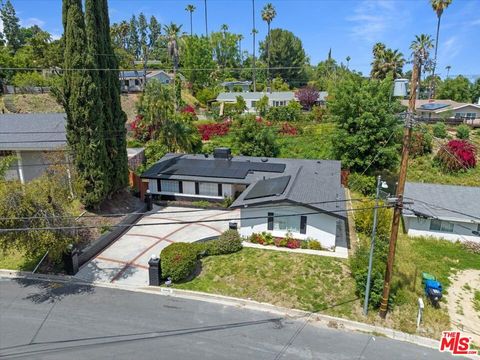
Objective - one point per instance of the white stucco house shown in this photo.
(275, 98)
(443, 211)
(304, 197)
(133, 80)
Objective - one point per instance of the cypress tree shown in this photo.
(83, 106)
(100, 46)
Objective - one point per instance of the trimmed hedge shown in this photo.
(227, 243)
(178, 261)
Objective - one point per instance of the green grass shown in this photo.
(298, 281)
(314, 143)
(15, 260)
(476, 300)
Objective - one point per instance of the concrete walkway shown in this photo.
(126, 260)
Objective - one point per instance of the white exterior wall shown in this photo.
(321, 227)
(421, 227)
(29, 165)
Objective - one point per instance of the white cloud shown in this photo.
(32, 21)
(373, 18)
(450, 48)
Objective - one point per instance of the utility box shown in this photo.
(154, 271)
(70, 260)
(232, 225)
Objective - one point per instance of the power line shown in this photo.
(183, 222)
(161, 213)
(444, 208)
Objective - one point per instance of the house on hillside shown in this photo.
(275, 98)
(37, 140)
(232, 86)
(451, 112)
(443, 211)
(304, 197)
(33, 139)
(133, 80)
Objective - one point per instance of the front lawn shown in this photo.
(15, 260)
(306, 282)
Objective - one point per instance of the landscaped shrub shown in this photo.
(227, 243)
(256, 239)
(188, 113)
(364, 220)
(291, 112)
(293, 244)
(314, 245)
(421, 142)
(207, 131)
(178, 261)
(463, 132)
(362, 183)
(440, 130)
(456, 155)
(288, 129)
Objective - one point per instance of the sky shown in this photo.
(348, 27)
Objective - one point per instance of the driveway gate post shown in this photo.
(154, 271)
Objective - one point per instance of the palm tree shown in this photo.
(240, 38)
(448, 67)
(206, 19)
(191, 9)
(172, 32)
(393, 62)
(348, 58)
(268, 14)
(224, 29)
(438, 6)
(421, 47)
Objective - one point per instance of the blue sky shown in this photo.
(348, 27)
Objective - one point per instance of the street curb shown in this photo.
(313, 318)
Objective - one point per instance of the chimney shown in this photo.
(222, 153)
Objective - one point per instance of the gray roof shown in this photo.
(311, 183)
(131, 74)
(230, 83)
(275, 95)
(32, 131)
(432, 200)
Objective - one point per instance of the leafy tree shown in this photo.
(287, 56)
(11, 26)
(240, 105)
(81, 98)
(28, 79)
(307, 96)
(133, 38)
(197, 54)
(278, 84)
(475, 90)
(456, 89)
(253, 138)
(365, 121)
(262, 105)
(225, 51)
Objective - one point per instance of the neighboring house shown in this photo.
(32, 139)
(232, 86)
(309, 192)
(428, 215)
(447, 110)
(276, 98)
(133, 80)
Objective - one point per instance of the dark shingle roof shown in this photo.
(433, 200)
(32, 131)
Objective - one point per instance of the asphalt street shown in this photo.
(45, 320)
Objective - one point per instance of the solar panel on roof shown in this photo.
(269, 187)
(433, 106)
(219, 168)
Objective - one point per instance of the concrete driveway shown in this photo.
(126, 260)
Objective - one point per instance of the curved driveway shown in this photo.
(126, 260)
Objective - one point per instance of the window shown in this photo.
(439, 225)
(291, 223)
(277, 103)
(170, 186)
(254, 104)
(465, 116)
(137, 82)
(209, 189)
(6, 153)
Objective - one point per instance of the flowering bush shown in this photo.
(140, 130)
(288, 129)
(188, 112)
(207, 131)
(457, 155)
(293, 243)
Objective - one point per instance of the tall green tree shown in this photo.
(365, 120)
(438, 6)
(197, 53)
(268, 14)
(421, 47)
(84, 108)
(386, 61)
(225, 51)
(456, 89)
(115, 115)
(287, 57)
(255, 139)
(11, 26)
(134, 38)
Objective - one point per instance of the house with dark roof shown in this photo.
(442, 211)
(304, 197)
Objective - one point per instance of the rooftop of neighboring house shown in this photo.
(274, 95)
(433, 200)
(309, 183)
(134, 74)
(32, 131)
(437, 105)
(236, 83)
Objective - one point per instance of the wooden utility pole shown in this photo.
(254, 31)
(397, 212)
